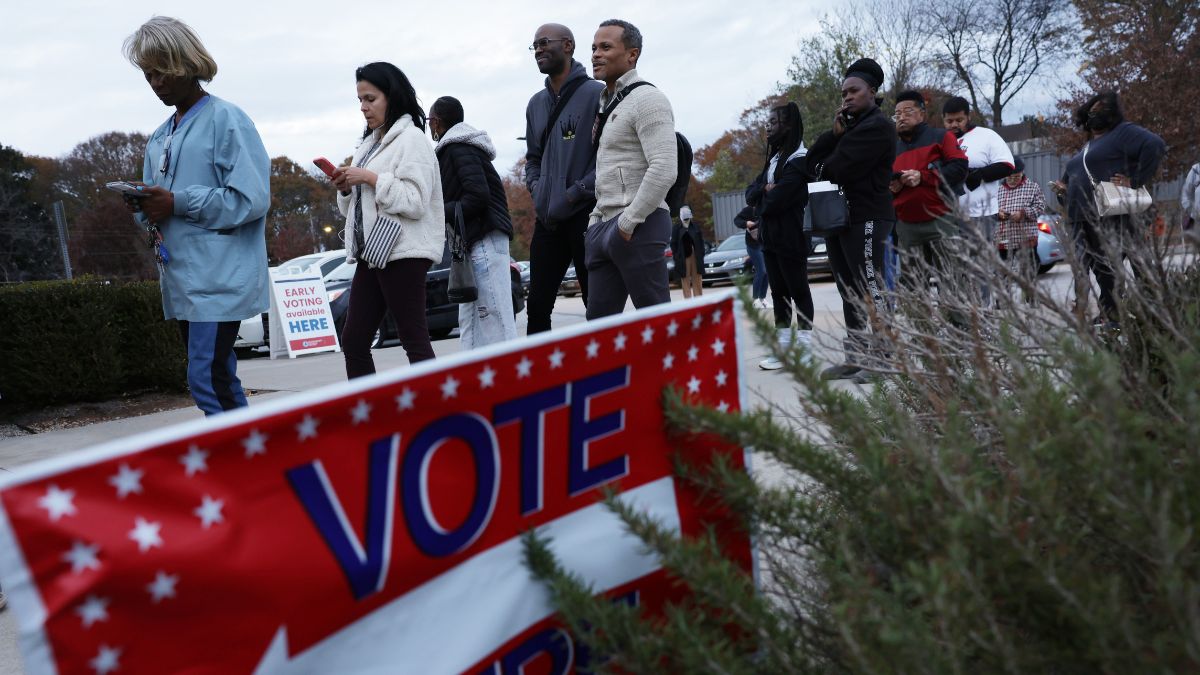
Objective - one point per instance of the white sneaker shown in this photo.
(770, 363)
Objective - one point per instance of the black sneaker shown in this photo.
(842, 371)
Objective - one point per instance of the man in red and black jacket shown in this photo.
(929, 166)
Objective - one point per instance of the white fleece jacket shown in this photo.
(409, 189)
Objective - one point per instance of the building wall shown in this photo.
(726, 206)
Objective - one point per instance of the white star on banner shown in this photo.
(668, 361)
(697, 321)
(647, 335)
(361, 412)
(524, 367)
(593, 349)
(162, 587)
(449, 388)
(556, 359)
(718, 347)
(723, 407)
(722, 378)
(209, 511)
(717, 316)
(92, 610)
(693, 385)
(619, 342)
(672, 328)
(693, 353)
(127, 481)
(406, 399)
(146, 534)
(194, 461)
(58, 503)
(487, 377)
(106, 661)
(307, 428)
(83, 557)
(255, 443)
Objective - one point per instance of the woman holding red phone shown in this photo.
(391, 195)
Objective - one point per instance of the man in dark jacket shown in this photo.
(472, 188)
(857, 154)
(929, 167)
(560, 169)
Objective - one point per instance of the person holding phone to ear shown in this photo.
(857, 154)
(207, 190)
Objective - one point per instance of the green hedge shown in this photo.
(86, 340)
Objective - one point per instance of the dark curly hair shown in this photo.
(401, 96)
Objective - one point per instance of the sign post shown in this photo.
(375, 525)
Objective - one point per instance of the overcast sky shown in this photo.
(290, 66)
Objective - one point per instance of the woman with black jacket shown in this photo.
(858, 155)
(779, 196)
(471, 185)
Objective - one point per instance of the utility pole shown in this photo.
(60, 219)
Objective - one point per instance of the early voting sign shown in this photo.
(301, 321)
(374, 525)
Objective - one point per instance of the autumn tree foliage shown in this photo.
(1147, 52)
(303, 207)
(520, 210)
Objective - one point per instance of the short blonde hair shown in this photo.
(170, 47)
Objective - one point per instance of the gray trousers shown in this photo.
(984, 232)
(619, 270)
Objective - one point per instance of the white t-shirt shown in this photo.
(983, 147)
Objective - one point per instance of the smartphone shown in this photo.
(126, 188)
(325, 166)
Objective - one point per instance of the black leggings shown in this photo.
(550, 254)
(400, 287)
(1118, 233)
(856, 255)
(788, 276)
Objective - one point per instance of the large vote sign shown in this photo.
(375, 525)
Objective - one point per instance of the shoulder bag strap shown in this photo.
(602, 118)
(1085, 166)
(564, 96)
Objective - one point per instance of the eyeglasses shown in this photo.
(545, 42)
(906, 112)
(164, 160)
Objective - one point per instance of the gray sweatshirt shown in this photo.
(636, 164)
(561, 177)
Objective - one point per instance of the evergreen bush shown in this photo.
(1019, 492)
(86, 340)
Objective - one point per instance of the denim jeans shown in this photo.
(490, 318)
(759, 288)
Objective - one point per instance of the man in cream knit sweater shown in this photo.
(630, 227)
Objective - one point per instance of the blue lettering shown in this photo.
(365, 568)
(531, 412)
(429, 536)
(581, 476)
(553, 642)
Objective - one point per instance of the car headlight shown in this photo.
(819, 248)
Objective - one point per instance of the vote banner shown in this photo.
(300, 320)
(375, 525)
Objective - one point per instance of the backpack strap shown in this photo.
(563, 97)
(602, 118)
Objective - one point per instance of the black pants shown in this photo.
(400, 287)
(857, 257)
(788, 277)
(550, 254)
(1118, 234)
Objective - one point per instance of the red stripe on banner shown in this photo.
(316, 523)
(313, 343)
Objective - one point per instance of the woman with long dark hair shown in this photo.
(1126, 155)
(391, 195)
(857, 154)
(778, 197)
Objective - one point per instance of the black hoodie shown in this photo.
(860, 160)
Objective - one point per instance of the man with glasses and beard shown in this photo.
(560, 169)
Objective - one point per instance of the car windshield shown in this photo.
(344, 272)
(733, 243)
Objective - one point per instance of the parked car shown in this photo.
(569, 286)
(818, 258)
(441, 315)
(255, 332)
(522, 265)
(728, 261)
(1049, 248)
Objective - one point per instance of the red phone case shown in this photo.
(325, 165)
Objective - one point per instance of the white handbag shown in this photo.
(1117, 200)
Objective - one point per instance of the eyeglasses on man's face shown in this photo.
(544, 42)
(906, 112)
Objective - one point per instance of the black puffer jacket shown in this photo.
(860, 160)
(465, 157)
